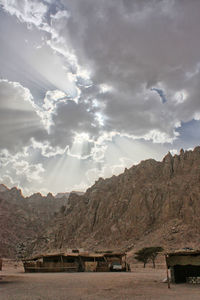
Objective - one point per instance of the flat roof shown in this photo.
(78, 254)
(183, 252)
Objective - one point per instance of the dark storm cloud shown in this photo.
(161, 94)
(71, 118)
(133, 47)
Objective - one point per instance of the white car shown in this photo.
(116, 266)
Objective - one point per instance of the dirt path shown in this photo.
(141, 284)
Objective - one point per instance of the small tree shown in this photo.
(148, 253)
(153, 252)
(142, 255)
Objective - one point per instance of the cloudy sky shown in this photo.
(89, 87)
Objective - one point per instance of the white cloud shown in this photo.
(60, 14)
(18, 118)
(18, 169)
(31, 172)
(30, 11)
(48, 109)
(94, 64)
(55, 123)
(180, 96)
(7, 88)
(46, 149)
(124, 67)
(7, 180)
(160, 137)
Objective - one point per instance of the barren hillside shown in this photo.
(152, 203)
(22, 219)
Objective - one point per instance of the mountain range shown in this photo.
(152, 203)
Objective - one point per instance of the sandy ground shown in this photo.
(143, 284)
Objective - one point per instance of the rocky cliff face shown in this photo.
(22, 220)
(153, 203)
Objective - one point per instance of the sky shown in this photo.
(91, 87)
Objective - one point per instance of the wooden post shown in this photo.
(96, 265)
(126, 264)
(168, 281)
(62, 264)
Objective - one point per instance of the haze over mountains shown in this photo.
(152, 203)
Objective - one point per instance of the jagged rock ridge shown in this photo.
(151, 203)
(22, 219)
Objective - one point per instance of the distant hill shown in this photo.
(22, 219)
(66, 195)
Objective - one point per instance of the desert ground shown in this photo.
(140, 283)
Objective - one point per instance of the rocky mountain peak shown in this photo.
(15, 192)
(168, 157)
(182, 152)
(50, 196)
(3, 188)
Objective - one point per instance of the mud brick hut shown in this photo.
(184, 266)
(76, 262)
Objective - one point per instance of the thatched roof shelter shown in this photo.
(183, 264)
